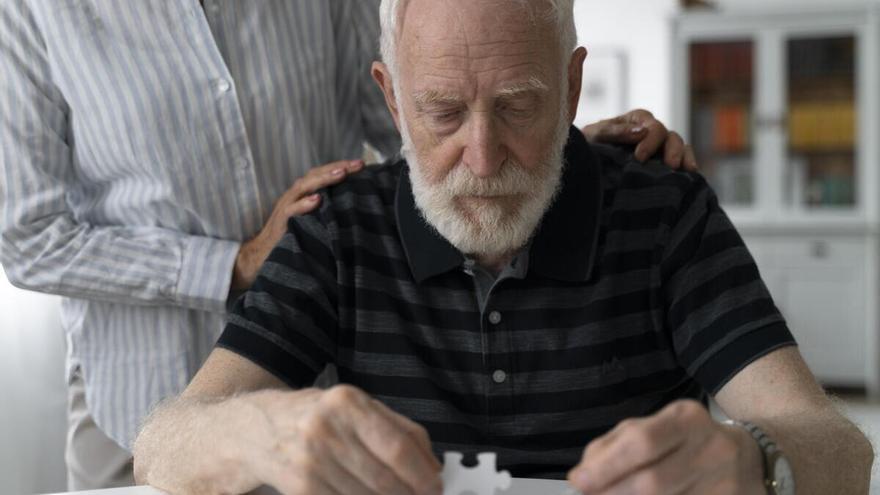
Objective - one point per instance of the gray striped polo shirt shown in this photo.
(638, 291)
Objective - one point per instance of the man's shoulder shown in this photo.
(376, 179)
(622, 173)
(365, 199)
(374, 183)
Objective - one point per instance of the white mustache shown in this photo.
(512, 179)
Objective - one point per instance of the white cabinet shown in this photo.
(820, 285)
(782, 108)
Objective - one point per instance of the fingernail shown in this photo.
(337, 171)
(357, 163)
(637, 129)
(314, 197)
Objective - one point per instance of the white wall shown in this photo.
(641, 28)
(32, 393)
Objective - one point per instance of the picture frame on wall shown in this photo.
(605, 86)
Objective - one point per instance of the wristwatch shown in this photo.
(778, 476)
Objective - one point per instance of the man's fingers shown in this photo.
(636, 444)
(673, 474)
(345, 481)
(396, 448)
(708, 463)
(418, 434)
(336, 429)
(364, 473)
(291, 482)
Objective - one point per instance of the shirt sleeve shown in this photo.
(287, 321)
(43, 246)
(719, 311)
(378, 125)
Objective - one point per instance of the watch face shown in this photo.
(783, 478)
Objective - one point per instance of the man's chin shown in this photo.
(501, 205)
(487, 237)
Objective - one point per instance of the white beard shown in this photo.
(495, 230)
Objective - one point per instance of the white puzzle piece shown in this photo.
(482, 479)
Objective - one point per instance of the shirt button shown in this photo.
(223, 85)
(243, 163)
(494, 317)
(498, 376)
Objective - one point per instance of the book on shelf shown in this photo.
(822, 126)
(732, 129)
(722, 63)
(722, 128)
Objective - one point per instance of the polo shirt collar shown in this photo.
(564, 245)
(427, 252)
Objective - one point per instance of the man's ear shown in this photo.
(575, 77)
(382, 76)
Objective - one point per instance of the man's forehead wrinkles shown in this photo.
(478, 64)
(478, 56)
(451, 77)
(529, 66)
(462, 49)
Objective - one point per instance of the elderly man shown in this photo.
(143, 145)
(506, 287)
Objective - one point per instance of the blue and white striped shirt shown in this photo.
(142, 141)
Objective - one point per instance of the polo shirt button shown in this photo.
(223, 85)
(494, 317)
(499, 376)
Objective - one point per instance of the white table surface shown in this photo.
(520, 486)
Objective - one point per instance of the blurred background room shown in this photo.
(781, 102)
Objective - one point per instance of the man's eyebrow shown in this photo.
(533, 84)
(434, 97)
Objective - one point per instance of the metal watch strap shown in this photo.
(767, 446)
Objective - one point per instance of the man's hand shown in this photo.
(680, 450)
(341, 441)
(298, 200)
(650, 136)
(307, 442)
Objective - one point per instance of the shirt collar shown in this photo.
(564, 245)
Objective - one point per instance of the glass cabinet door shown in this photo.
(721, 101)
(822, 121)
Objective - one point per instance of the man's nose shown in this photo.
(484, 153)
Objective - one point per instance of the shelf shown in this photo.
(804, 191)
(815, 224)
